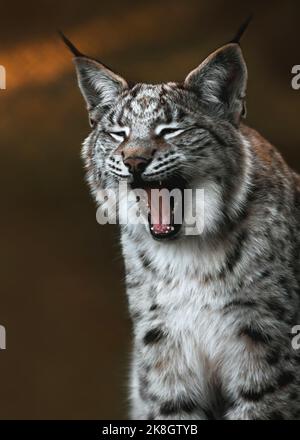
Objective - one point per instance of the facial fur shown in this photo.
(186, 130)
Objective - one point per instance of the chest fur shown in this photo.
(177, 288)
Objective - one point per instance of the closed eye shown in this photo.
(118, 135)
(168, 132)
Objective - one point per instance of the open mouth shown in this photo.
(165, 208)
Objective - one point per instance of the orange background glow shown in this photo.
(62, 297)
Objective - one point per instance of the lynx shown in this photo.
(212, 313)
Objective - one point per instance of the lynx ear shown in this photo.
(220, 81)
(98, 84)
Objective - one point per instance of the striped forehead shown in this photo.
(144, 102)
(145, 106)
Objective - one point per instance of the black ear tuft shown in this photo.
(70, 45)
(242, 29)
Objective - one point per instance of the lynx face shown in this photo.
(168, 136)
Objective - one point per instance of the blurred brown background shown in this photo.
(62, 299)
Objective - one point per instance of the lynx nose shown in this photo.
(136, 164)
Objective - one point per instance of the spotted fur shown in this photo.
(212, 314)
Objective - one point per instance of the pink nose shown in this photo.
(136, 164)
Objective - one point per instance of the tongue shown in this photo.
(159, 214)
(161, 229)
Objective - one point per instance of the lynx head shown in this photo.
(170, 135)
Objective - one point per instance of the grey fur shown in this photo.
(212, 314)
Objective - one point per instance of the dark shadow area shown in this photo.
(62, 296)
